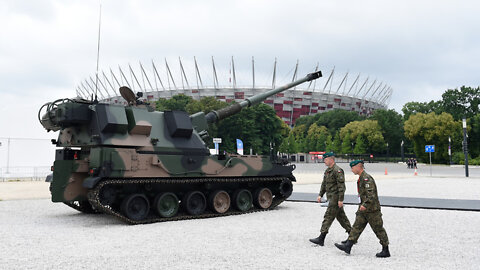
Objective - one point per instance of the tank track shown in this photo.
(94, 199)
(87, 209)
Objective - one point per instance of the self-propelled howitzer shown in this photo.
(144, 166)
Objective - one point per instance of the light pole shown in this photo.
(465, 145)
(401, 147)
(450, 149)
(387, 152)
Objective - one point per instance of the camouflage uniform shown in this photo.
(334, 185)
(367, 191)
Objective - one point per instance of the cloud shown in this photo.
(418, 48)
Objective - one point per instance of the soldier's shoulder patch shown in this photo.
(366, 179)
(340, 171)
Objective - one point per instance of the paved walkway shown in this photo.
(401, 202)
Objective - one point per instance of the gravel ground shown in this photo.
(38, 234)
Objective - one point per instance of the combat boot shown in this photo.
(319, 240)
(384, 253)
(345, 247)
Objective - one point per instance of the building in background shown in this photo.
(351, 93)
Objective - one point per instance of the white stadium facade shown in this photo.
(358, 94)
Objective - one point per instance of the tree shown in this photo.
(391, 124)
(175, 103)
(461, 102)
(299, 133)
(346, 144)
(414, 107)
(205, 104)
(337, 143)
(432, 129)
(360, 145)
(332, 120)
(474, 136)
(371, 131)
(316, 138)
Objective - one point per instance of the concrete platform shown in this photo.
(401, 202)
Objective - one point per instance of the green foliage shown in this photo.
(316, 139)
(371, 132)
(391, 124)
(432, 129)
(474, 135)
(205, 104)
(332, 120)
(300, 133)
(175, 103)
(411, 108)
(461, 102)
(360, 145)
(329, 143)
(346, 144)
(337, 143)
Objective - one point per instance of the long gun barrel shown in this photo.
(215, 116)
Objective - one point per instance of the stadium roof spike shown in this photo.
(125, 78)
(274, 77)
(353, 84)
(146, 77)
(215, 78)
(184, 76)
(93, 83)
(169, 73)
(341, 83)
(157, 76)
(328, 80)
(233, 74)
(253, 72)
(108, 81)
(359, 90)
(135, 77)
(199, 78)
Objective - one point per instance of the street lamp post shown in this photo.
(401, 147)
(465, 145)
(387, 152)
(450, 149)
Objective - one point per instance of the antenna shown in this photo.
(98, 50)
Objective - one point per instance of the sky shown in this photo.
(419, 48)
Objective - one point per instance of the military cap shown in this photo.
(355, 162)
(329, 154)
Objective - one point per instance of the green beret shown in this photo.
(329, 154)
(355, 162)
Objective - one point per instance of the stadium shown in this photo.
(357, 93)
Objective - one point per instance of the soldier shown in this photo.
(368, 211)
(334, 185)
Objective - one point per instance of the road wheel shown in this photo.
(135, 206)
(166, 204)
(243, 200)
(194, 202)
(263, 198)
(219, 201)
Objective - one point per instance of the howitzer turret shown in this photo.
(143, 166)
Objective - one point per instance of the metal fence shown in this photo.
(24, 173)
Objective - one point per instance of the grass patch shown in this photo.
(14, 180)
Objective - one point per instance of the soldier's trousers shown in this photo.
(333, 211)
(376, 223)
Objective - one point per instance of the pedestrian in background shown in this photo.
(333, 185)
(369, 212)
